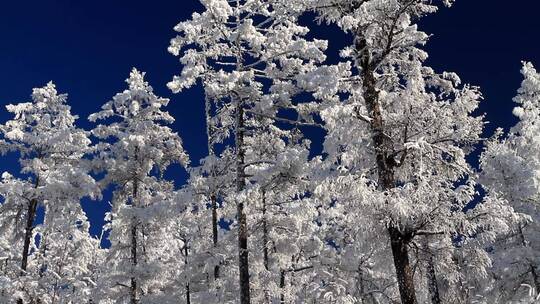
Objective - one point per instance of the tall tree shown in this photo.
(511, 168)
(403, 130)
(53, 179)
(283, 222)
(249, 55)
(209, 184)
(135, 150)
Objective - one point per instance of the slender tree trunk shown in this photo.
(213, 201)
(265, 231)
(243, 253)
(282, 287)
(213, 196)
(433, 287)
(462, 293)
(265, 243)
(385, 169)
(532, 268)
(360, 284)
(188, 291)
(30, 219)
(134, 260)
(366, 298)
(188, 294)
(536, 280)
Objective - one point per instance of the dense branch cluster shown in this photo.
(391, 210)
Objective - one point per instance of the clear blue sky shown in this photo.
(88, 48)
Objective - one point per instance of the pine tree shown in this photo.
(400, 137)
(53, 179)
(135, 150)
(510, 168)
(250, 56)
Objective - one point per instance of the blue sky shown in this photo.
(88, 48)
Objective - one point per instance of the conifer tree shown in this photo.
(53, 179)
(401, 136)
(136, 148)
(249, 56)
(511, 168)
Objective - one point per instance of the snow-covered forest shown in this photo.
(409, 201)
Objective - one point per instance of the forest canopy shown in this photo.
(394, 209)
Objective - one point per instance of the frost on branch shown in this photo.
(42, 260)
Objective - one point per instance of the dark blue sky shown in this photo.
(88, 48)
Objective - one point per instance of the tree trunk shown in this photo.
(188, 292)
(532, 268)
(403, 266)
(433, 287)
(265, 231)
(213, 196)
(265, 243)
(134, 262)
(536, 280)
(367, 297)
(282, 287)
(385, 170)
(243, 253)
(213, 200)
(30, 219)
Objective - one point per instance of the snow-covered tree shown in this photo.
(397, 145)
(209, 182)
(511, 168)
(251, 58)
(67, 261)
(212, 248)
(389, 212)
(136, 148)
(45, 261)
(283, 221)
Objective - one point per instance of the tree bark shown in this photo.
(134, 260)
(265, 242)
(403, 266)
(243, 253)
(433, 286)
(188, 291)
(282, 287)
(385, 169)
(30, 219)
(532, 268)
(265, 232)
(213, 196)
(213, 201)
